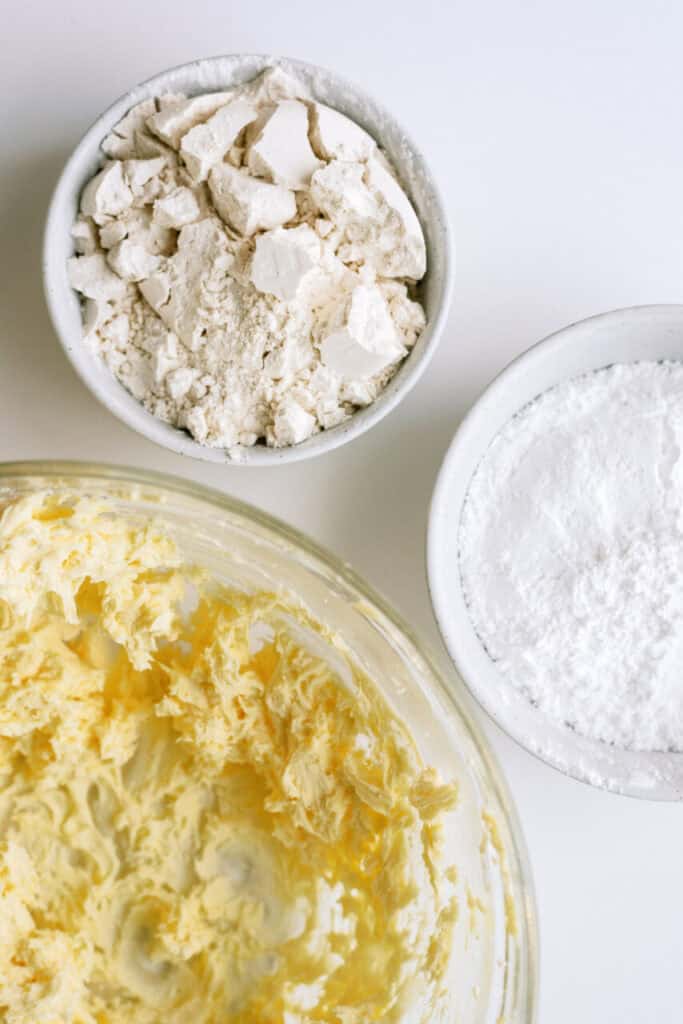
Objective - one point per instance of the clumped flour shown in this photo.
(571, 554)
(246, 260)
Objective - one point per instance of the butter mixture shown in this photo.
(199, 819)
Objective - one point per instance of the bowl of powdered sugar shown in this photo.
(247, 260)
(556, 550)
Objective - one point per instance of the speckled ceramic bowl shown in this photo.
(205, 76)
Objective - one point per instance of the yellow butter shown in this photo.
(199, 820)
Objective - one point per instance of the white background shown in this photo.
(556, 132)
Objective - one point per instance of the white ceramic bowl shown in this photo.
(205, 76)
(625, 335)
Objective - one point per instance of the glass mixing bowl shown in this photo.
(495, 952)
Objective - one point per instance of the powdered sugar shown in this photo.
(215, 270)
(571, 554)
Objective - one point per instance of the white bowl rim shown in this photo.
(135, 415)
(656, 785)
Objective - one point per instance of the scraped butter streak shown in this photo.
(198, 820)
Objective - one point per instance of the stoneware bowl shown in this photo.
(625, 335)
(207, 75)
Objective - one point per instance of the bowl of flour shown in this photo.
(247, 260)
(555, 550)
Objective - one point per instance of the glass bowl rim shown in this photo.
(456, 695)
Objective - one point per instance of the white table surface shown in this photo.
(556, 132)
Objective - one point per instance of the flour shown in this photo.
(571, 554)
(246, 260)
